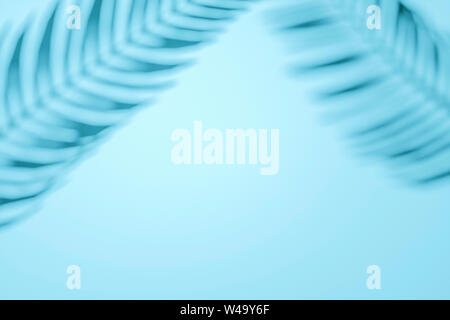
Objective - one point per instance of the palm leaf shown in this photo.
(388, 88)
(62, 91)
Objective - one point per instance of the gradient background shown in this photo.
(141, 228)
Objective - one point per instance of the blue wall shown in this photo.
(141, 228)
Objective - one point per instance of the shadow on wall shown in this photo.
(80, 68)
(382, 73)
(76, 71)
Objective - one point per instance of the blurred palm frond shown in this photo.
(388, 88)
(63, 90)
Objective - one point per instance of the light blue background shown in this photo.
(142, 228)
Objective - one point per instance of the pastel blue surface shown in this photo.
(141, 228)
